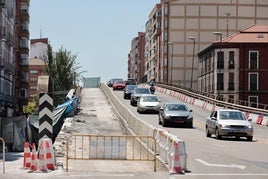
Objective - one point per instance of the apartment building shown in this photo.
(188, 26)
(37, 65)
(235, 68)
(136, 58)
(14, 52)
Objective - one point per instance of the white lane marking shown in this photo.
(221, 165)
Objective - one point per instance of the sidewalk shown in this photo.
(96, 117)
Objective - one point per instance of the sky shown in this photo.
(98, 32)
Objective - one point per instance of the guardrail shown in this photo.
(100, 147)
(4, 153)
(210, 100)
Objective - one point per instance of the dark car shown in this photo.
(128, 91)
(112, 81)
(228, 122)
(175, 113)
(137, 92)
(131, 81)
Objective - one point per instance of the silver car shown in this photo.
(148, 103)
(228, 122)
(175, 113)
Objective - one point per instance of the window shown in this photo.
(23, 93)
(220, 83)
(231, 60)
(231, 81)
(33, 71)
(231, 98)
(253, 59)
(220, 62)
(253, 101)
(253, 81)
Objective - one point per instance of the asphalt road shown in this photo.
(211, 157)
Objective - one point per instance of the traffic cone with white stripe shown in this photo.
(26, 156)
(34, 162)
(176, 164)
(42, 159)
(49, 154)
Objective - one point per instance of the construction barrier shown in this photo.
(100, 147)
(171, 150)
(4, 153)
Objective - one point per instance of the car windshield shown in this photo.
(119, 82)
(142, 90)
(176, 107)
(131, 87)
(149, 99)
(234, 115)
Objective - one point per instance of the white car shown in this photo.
(148, 103)
(228, 122)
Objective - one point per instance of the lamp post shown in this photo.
(227, 23)
(192, 38)
(171, 66)
(219, 59)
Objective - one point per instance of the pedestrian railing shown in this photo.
(4, 153)
(100, 147)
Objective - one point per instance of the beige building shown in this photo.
(175, 60)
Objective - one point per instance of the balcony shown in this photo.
(24, 33)
(24, 15)
(25, 1)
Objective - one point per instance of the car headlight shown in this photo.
(225, 126)
(190, 117)
(167, 116)
(249, 126)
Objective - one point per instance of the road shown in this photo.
(211, 157)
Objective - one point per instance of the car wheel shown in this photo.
(131, 103)
(190, 125)
(164, 124)
(125, 97)
(159, 121)
(249, 138)
(207, 132)
(217, 133)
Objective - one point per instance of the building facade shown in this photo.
(14, 52)
(181, 19)
(136, 58)
(234, 68)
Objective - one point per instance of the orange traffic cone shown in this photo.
(42, 160)
(49, 154)
(26, 156)
(176, 164)
(34, 163)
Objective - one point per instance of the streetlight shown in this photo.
(227, 23)
(171, 66)
(192, 38)
(219, 59)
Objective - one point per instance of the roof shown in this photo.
(43, 40)
(253, 34)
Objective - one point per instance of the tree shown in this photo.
(63, 69)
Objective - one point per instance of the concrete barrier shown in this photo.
(164, 140)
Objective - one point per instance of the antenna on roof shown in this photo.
(40, 33)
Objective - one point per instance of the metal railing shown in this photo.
(100, 147)
(240, 105)
(4, 153)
